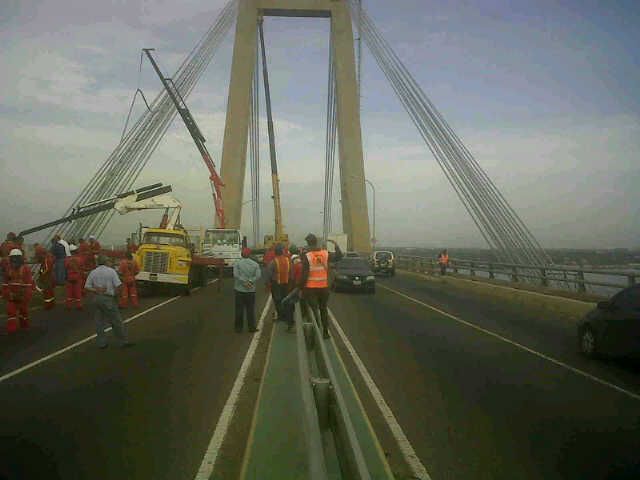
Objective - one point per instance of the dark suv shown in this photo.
(613, 328)
(383, 262)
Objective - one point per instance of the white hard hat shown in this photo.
(15, 252)
(92, 237)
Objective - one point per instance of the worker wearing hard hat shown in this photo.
(46, 278)
(315, 278)
(17, 289)
(75, 279)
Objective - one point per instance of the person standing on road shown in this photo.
(46, 278)
(104, 282)
(17, 290)
(279, 275)
(73, 265)
(60, 253)
(315, 278)
(246, 273)
(443, 260)
(128, 269)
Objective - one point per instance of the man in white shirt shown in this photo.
(104, 282)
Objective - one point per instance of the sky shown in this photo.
(544, 94)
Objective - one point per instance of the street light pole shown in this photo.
(373, 189)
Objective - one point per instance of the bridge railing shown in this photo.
(325, 407)
(602, 282)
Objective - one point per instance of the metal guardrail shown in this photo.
(325, 407)
(543, 276)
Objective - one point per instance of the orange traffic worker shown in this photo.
(128, 269)
(46, 278)
(8, 245)
(75, 279)
(315, 278)
(443, 260)
(279, 276)
(17, 290)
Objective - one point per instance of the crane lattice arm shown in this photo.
(196, 134)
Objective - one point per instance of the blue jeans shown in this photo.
(60, 272)
(107, 314)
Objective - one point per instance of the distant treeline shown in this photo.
(562, 256)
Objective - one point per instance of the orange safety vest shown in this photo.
(283, 267)
(444, 259)
(318, 269)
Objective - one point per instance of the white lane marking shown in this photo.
(417, 468)
(559, 363)
(85, 340)
(77, 344)
(229, 409)
(504, 287)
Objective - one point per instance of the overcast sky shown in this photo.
(544, 94)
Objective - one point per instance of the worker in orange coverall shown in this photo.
(75, 279)
(128, 269)
(46, 279)
(17, 290)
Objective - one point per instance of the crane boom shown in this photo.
(275, 180)
(139, 195)
(196, 134)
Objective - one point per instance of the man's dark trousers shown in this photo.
(279, 292)
(318, 300)
(245, 303)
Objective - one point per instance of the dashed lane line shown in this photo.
(57, 353)
(210, 456)
(559, 363)
(417, 468)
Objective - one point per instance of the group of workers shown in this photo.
(291, 275)
(64, 264)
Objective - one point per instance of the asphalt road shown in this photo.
(478, 407)
(143, 412)
(472, 405)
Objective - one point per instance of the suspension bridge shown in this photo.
(431, 377)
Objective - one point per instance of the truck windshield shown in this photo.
(225, 238)
(164, 239)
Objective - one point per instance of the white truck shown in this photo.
(341, 239)
(224, 244)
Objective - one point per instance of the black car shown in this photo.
(613, 328)
(353, 274)
(383, 263)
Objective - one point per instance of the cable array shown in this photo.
(122, 168)
(330, 147)
(501, 227)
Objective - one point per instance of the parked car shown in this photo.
(383, 262)
(352, 273)
(613, 328)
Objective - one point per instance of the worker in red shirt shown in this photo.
(75, 279)
(127, 270)
(279, 277)
(46, 278)
(17, 290)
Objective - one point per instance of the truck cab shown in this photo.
(224, 244)
(164, 256)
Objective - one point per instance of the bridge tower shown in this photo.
(355, 216)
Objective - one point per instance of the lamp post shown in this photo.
(373, 189)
